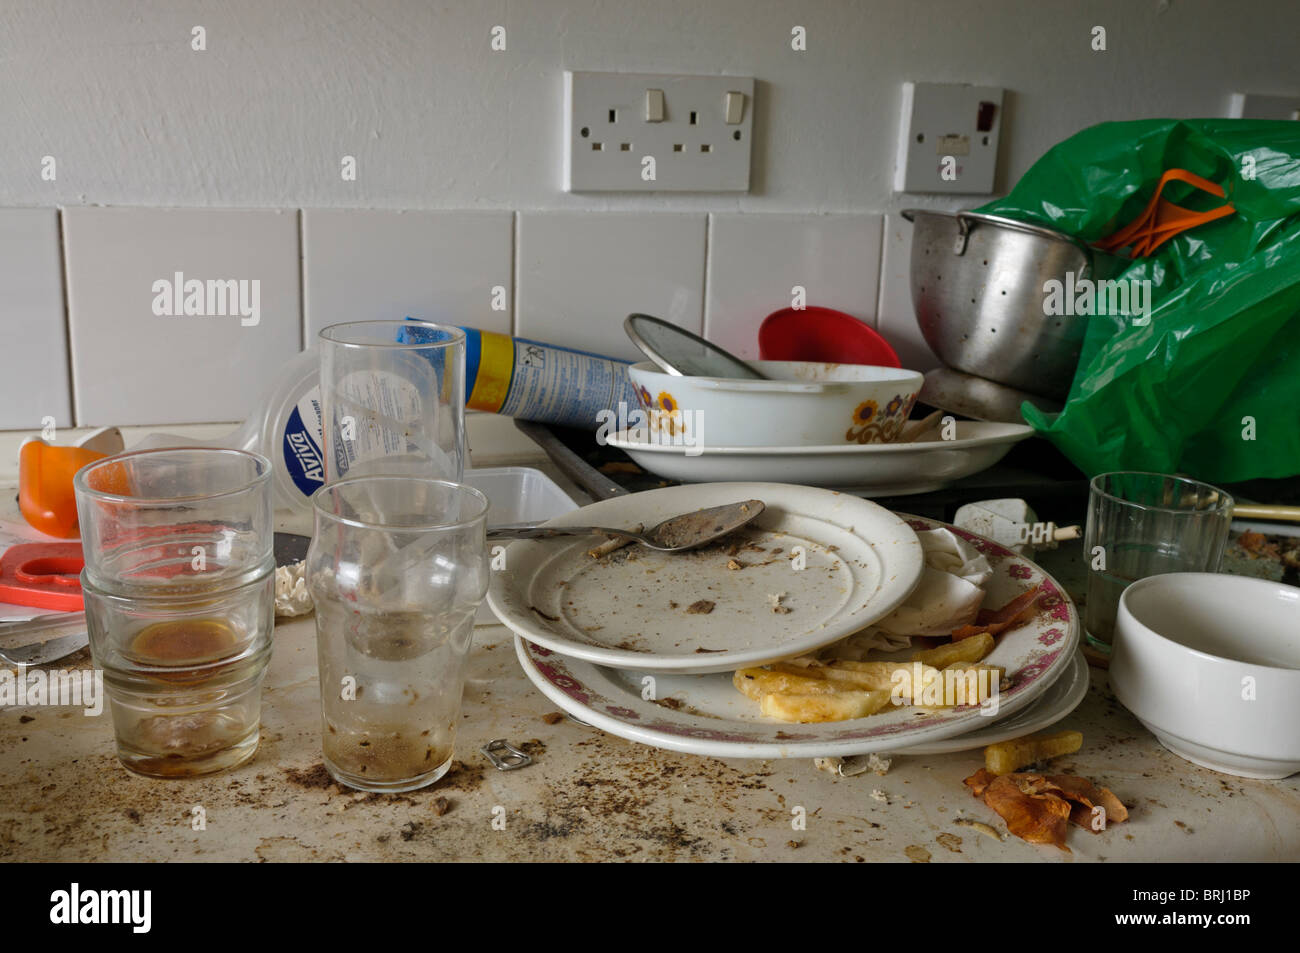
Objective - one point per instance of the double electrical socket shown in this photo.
(647, 132)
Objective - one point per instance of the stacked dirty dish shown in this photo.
(647, 645)
(707, 416)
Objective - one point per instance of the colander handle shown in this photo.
(963, 235)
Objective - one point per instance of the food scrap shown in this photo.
(620, 466)
(1037, 808)
(985, 829)
(700, 607)
(1257, 545)
(811, 690)
(996, 621)
(614, 543)
(1006, 757)
(775, 601)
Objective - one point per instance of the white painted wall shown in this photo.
(113, 91)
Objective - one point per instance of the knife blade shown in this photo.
(42, 653)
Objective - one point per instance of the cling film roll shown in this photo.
(535, 381)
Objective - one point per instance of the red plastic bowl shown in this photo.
(822, 335)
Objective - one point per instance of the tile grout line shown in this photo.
(880, 273)
(66, 278)
(302, 282)
(516, 230)
(704, 283)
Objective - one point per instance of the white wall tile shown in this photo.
(361, 264)
(132, 366)
(755, 260)
(34, 358)
(896, 318)
(581, 274)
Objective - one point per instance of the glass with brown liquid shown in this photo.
(184, 680)
(180, 602)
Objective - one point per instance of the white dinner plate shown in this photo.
(872, 469)
(1060, 698)
(836, 562)
(705, 714)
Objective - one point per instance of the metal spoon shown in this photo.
(675, 535)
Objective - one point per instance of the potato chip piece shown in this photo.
(841, 706)
(1008, 756)
(971, 649)
(756, 682)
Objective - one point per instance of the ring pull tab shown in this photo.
(511, 760)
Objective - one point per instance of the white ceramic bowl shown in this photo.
(804, 405)
(1211, 664)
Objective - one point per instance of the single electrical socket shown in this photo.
(647, 132)
(948, 138)
(1253, 106)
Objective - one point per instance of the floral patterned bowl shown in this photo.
(802, 405)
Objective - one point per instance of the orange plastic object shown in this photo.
(45, 485)
(1162, 220)
(44, 575)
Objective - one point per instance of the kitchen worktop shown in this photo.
(591, 796)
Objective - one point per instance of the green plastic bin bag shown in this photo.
(1210, 385)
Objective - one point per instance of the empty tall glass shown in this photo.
(393, 399)
(179, 589)
(397, 569)
(1145, 524)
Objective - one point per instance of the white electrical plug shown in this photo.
(1012, 523)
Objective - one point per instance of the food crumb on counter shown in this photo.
(553, 717)
(980, 826)
(700, 607)
(878, 764)
(441, 806)
(774, 600)
(879, 795)
(917, 854)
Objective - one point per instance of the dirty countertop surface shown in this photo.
(588, 795)
(591, 796)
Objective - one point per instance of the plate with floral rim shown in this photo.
(704, 714)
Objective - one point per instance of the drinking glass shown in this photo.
(397, 569)
(179, 591)
(393, 399)
(1145, 524)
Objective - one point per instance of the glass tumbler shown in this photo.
(397, 568)
(179, 589)
(1145, 524)
(393, 399)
